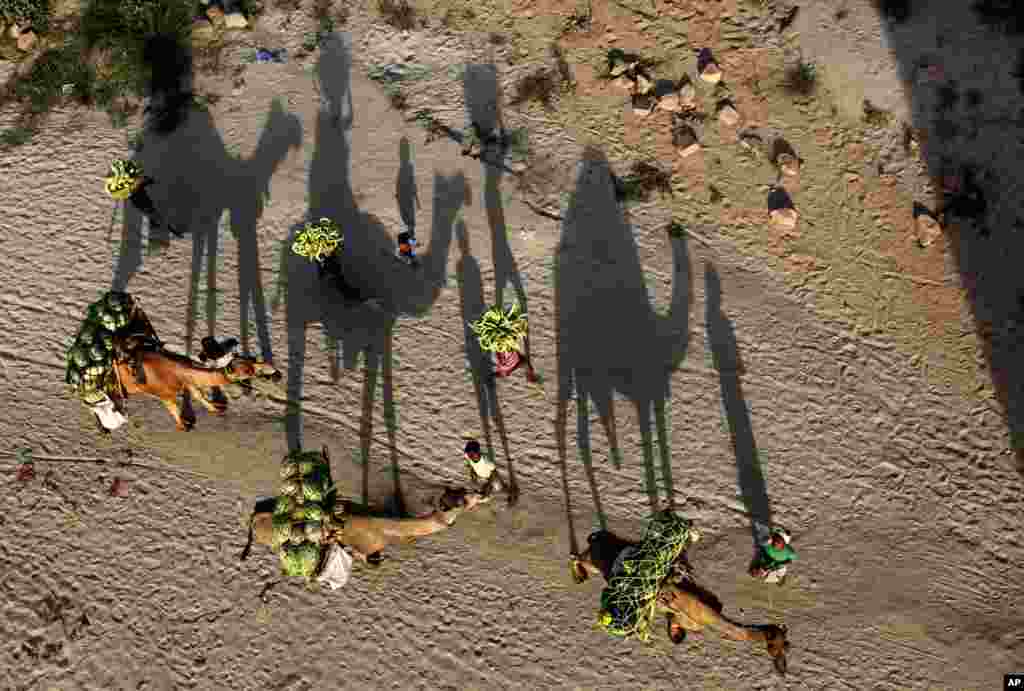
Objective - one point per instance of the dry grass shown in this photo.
(398, 13)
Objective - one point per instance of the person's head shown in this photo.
(472, 450)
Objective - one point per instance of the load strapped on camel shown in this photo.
(124, 179)
(629, 601)
(91, 358)
(318, 240)
(307, 514)
(501, 330)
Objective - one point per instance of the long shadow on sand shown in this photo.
(962, 64)
(198, 180)
(726, 357)
(471, 301)
(367, 260)
(609, 337)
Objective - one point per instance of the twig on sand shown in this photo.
(102, 461)
(543, 212)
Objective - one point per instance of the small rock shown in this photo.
(687, 95)
(643, 104)
(643, 84)
(27, 41)
(625, 83)
(215, 15)
(752, 142)
(928, 229)
(784, 219)
(235, 20)
(670, 103)
(788, 164)
(711, 73)
(728, 116)
(684, 139)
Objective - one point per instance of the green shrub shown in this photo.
(34, 13)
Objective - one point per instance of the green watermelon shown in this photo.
(79, 356)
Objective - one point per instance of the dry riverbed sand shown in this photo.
(841, 356)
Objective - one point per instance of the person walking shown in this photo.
(126, 182)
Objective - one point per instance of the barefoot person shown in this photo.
(773, 557)
(320, 242)
(482, 472)
(503, 332)
(127, 183)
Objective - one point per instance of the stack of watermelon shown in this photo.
(90, 359)
(304, 513)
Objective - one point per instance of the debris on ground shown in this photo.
(727, 115)
(927, 227)
(784, 218)
(264, 55)
(119, 487)
(684, 139)
(788, 164)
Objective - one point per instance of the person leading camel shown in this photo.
(688, 606)
(366, 532)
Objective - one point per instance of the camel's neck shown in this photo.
(739, 632)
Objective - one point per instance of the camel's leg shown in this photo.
(582, 567)
(200, 395)
(172, 407)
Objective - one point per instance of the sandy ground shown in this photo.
(899, 486)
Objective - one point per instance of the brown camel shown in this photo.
(166, 374)
(687, 605)
(369, 534)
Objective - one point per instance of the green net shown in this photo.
(629, 601)
(304, 513)
(90, 359)
(500, 330)
(317, 240)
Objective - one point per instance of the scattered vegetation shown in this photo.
(33, 13)
(539, 86)
(642, 181)
(580, 20)
(390, 78)
(398, 13)
(876, 116)
(116, 54)
(801, 78)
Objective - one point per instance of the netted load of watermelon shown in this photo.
(305, 513)
(90, 359)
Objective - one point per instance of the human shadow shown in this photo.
(962, 65)
(406, 192)
(367, 262)
(609, 336)
(198, 180)
(472, 305)
(726, 357)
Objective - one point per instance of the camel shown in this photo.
(166, 374)
(688, 606)
(368, 531)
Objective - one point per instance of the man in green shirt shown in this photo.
(774, 556)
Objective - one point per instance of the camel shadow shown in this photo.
(367, 262)
(198, 180)
(726, 357)
(471, 301)
(609, 336)
(962, 68)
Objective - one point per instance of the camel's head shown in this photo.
(775, 640)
